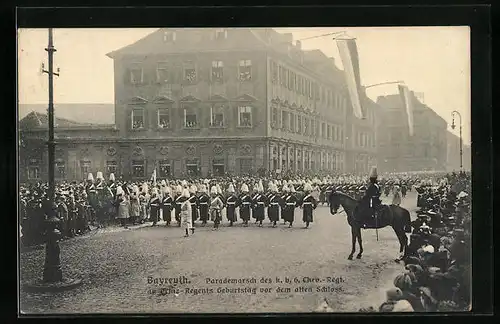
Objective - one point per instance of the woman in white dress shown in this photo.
(186, 213)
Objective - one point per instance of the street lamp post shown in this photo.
(52, 273)
(453, 113)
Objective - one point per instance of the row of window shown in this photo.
(191, 117)
(303, 86)
(170, 36)
(364, 139)
(167, 74)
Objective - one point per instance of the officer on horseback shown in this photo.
(372, 194)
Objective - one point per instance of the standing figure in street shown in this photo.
(232, 202)
(203, 201)
(194, 204)
(166, 205)
(308, 205)
(255, 193)
(396, 192)
(179, 200)
(185, 212)
(284, 194)
(216, 206)
(143, 200)
(246, 204)
(370, 203)
(290, 205)
(122, 203)
(154, 205)
(135, 205)
(259, 204)
(274, 205)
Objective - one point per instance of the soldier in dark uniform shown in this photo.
(246, 204)
(284, 194)
(371, 200)
(328, 192)
(154, 204)
(274, 205)
(193, 200)
(308, 204)
(232, 202)
(290, 203)
(178, 204)
(255, 193)
(167, 205)
(203, 202)
(259, 204)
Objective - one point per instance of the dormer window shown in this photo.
(220, 33)
(169, 36)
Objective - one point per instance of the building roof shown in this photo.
(81, 114)
(396, 102)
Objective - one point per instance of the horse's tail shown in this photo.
(406, 220)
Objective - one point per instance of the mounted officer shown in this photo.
(370, 203)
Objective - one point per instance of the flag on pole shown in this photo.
(407, 100)
(153, 177)
(350, 60)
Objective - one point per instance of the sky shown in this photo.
(434, 61)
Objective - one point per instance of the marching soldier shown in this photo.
(92, 196)
(203, 201)
(143, 200)
(185, 211)
(154, 205)
(179, 200)
(232, 202)
(246, 204)
(290, 202)
(274, 205)
(308, 204)
(396, 191)
(255, 193)
(193, 200)
(166, 205)
(62, 214)
(122, 203)
(216, 206)
(259, 204)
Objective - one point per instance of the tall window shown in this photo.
(281, 75)
(190, 117)
(275, 119)
(61, 169)
(284, 119)
(218, 167)
(274, 72)
(217, 71)
(306, 126)
(329, 132)
(217, 116)
(169, 36)
(137, 118)
(190, 72)
(111, 167)
(84, 168)
(299, 124)
(165, 169)
(246, 165)
(292, 122)
(220, 33)
(245, 69)
(290, 80)
(192, 167)
(296, 82)
(136, 74)
(245, 116)
(162, 72)
(33, 169)
(323, 130)
(138, 169)
(163, 118)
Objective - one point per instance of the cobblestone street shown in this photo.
(115, 267)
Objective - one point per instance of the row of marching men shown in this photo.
(139, 205)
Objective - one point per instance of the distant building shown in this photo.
(219, 101)
(400, 152)
(453, 154)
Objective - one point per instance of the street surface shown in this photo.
(115, 266)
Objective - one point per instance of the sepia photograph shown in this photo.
(244, 170)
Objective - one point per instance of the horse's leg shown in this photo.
(360, 242)
(403, 241)
(353, 238)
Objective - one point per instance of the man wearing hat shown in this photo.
(232, 202)
(274, 205)
(144, 200)
(167, 205)
(371, 200)
(62, 214)
(259, 204)
(185, 211)
(123, 209)
(216, 206)
(246, 203)
(396, 191)
(135, 205)
(179, 201)
(290, 203)
(203, 201)
(193, 200)
(308, 204)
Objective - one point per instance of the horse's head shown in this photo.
(334, 202)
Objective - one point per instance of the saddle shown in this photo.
(369, 217)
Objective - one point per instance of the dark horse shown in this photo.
(396, 217)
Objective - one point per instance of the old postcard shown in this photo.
(231, 170)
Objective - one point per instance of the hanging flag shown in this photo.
(350, 60)
(405, 94)
(153, 177)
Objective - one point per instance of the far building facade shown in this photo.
(398, 151)
(453, 154)
(209, 102)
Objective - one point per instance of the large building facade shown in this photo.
(398, 151)
(207, 102)
(453, 154)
